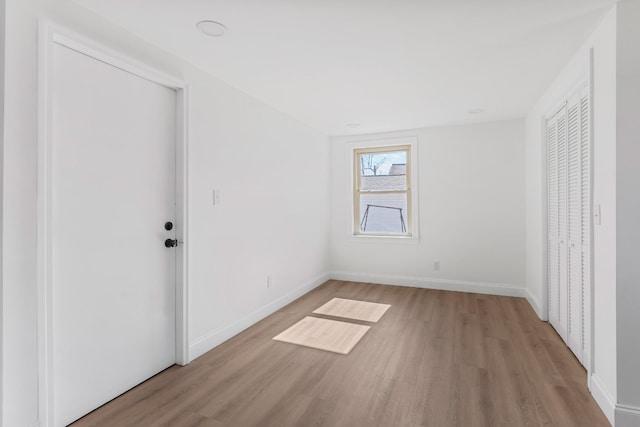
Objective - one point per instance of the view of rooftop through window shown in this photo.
(390, 163)
(382, 191)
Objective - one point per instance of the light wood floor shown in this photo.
(435, 358)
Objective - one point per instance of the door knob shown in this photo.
(168, 225)
(170, 243)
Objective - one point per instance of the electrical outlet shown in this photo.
(436, 265)
(268, 281)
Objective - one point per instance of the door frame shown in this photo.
(49, 35)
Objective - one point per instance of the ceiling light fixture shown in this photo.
(211, 28)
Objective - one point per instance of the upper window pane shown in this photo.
(383, 171)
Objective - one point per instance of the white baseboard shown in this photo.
(220, 335)
(627, 416)
(535, 304)
(429, 283)
(603, 398)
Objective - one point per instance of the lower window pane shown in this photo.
(383, 213)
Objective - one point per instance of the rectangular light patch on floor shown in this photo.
(352, 309)
(324, 334)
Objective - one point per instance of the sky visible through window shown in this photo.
(380, 163)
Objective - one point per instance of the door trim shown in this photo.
(49, 35)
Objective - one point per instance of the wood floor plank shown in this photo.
(437, 359)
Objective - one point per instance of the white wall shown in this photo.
(2, 98)
(471, 198)
(272, 173)
(628, 213)
(19, 227)
(603, 43)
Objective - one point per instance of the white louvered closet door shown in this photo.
(562, 224)
(553, 249)
(568, 177)
(585, 222)
(574, 187)
(557, 220)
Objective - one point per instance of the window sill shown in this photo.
(366, 238)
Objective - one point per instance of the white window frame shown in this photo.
(410, 143)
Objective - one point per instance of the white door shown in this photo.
(112, 191)
(579, 209)
(557, 220)
(562, 223)
(568, 219)
(553, 246)
(585, 223)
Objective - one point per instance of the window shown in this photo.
(382, 191)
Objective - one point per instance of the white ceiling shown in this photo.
(384, 64)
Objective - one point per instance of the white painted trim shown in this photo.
(45, 343)
(590, 359)
(216, 337)
(351, 146)
(109, 56)
(431, 283)
(602, 397)
(380, 239)
(182, 226)
(535, 304)
(3, 21)
(48, 35)
(627, 416)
